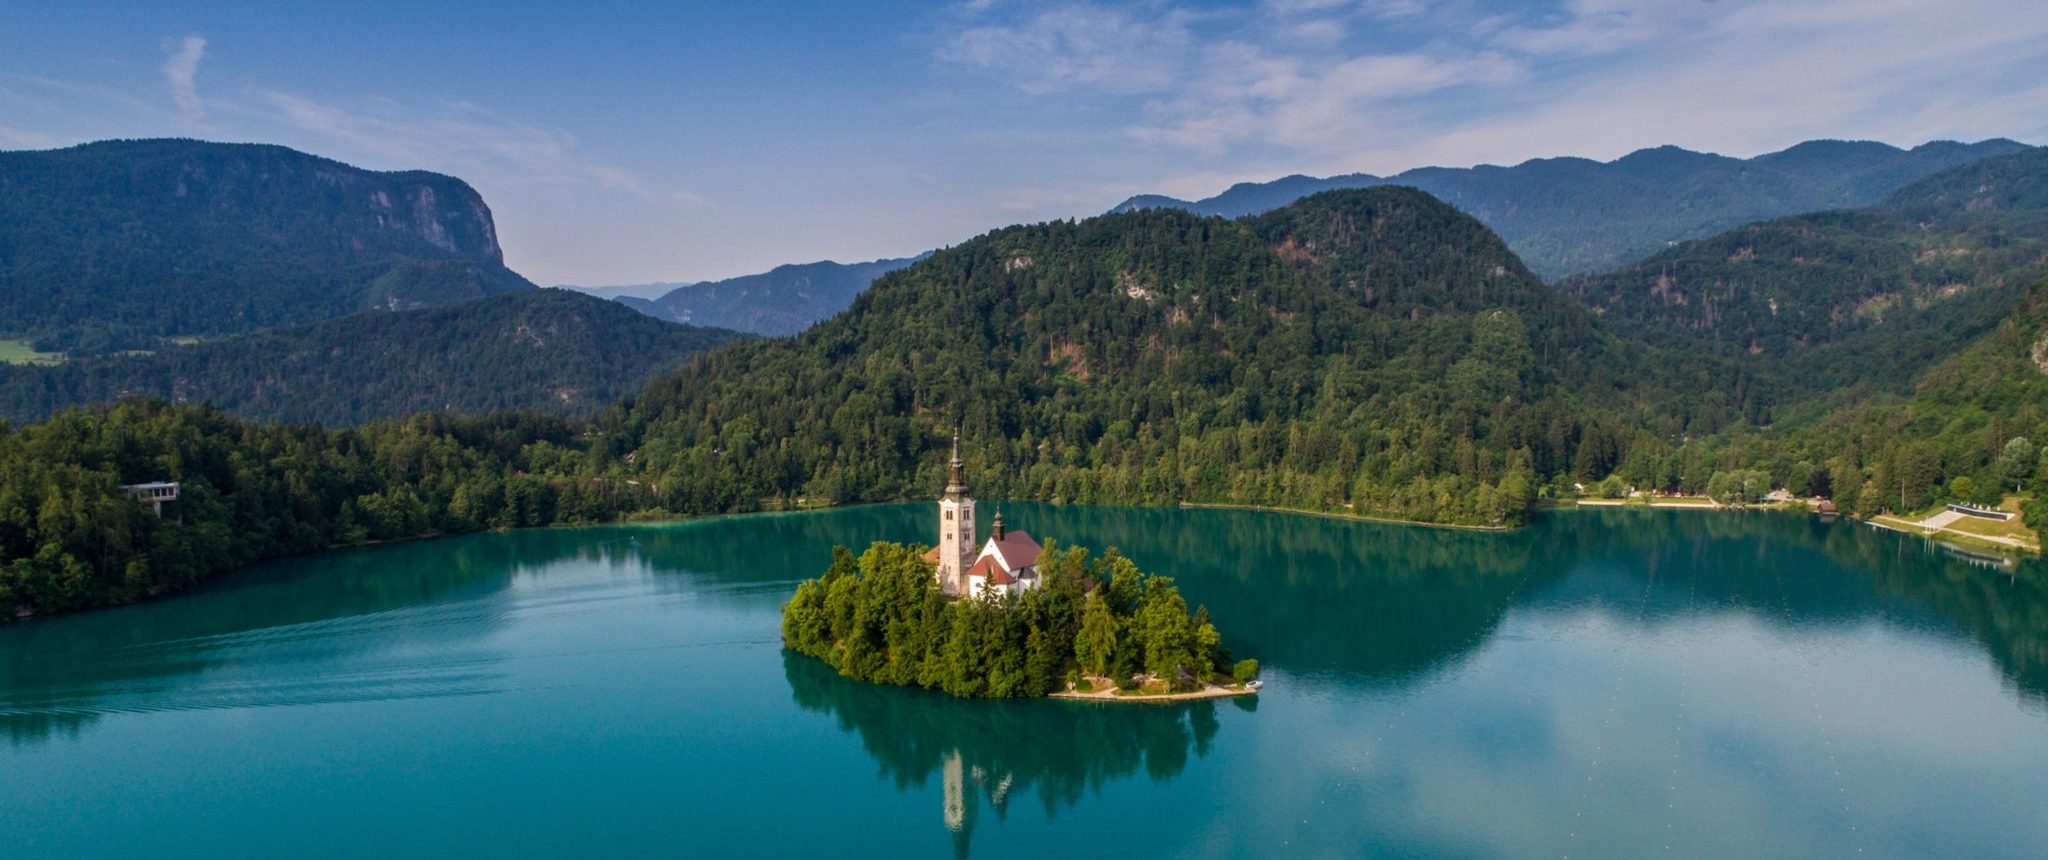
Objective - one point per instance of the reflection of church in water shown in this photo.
(988, 755)
(963, 783)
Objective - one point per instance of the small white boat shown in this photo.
(1253, 686)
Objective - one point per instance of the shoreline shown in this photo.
(1964, 539)
(1106, 691)
(1796, 506)
(21, 614)
(1338, 515)
(1630, 503)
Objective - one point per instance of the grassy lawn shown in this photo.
(1681, 501)
(20, 352)
(2012, 528)
(1993, 528)
(1967, 527)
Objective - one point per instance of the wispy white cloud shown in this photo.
(19, 138)
(466, 139)
(1744, 77)
(1081, 45)
(1210, 81)
(181, 72)
(1339, 85)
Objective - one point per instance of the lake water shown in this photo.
(1604, 684)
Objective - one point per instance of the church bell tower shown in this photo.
(957, 543)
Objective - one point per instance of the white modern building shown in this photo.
(156, 493)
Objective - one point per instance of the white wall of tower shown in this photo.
(957, 542)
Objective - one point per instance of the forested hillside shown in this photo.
(1369, 350)
(1571, 215)
(545, 350)
(1373, 352)
(71, 539)
(1969, 429)
(122, 244)
(1833, 300)
(2009, 193)
(1953, 436)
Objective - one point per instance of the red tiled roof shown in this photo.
(988, 567)
(1018, 550)
(932, 556)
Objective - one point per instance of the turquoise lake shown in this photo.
(1604, 684)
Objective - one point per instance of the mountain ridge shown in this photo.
(1840, 298)
(1567, 215)
(781, 301)
(122, 244)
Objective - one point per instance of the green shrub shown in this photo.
(1245, 670)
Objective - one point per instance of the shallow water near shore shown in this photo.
(1602, 684)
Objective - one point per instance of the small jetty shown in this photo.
(1105, 690)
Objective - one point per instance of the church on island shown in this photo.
(1007, 563)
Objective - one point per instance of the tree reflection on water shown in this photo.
(988, 753)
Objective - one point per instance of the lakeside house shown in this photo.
(1007, 563)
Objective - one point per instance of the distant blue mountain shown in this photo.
(1573, 215)
(781, 301)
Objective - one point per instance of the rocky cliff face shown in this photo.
(110, 244)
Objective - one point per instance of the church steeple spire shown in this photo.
(957, 538)
(956, 479)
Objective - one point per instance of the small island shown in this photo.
(1007, 618)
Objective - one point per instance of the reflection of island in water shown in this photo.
(1390, 605)
(1368, 602)
(1317, 599)
(972, 745)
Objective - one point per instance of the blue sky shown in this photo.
(623, 143)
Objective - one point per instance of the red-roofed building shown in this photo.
(1007, 563)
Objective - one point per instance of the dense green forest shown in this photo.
(1370, 352)
(122, 244)
(1969, 429)
(71, 539)
(1898, 347)
(1830, 301)
(1572, 215)
(881, 618)
(1973, 428)
(545, 350)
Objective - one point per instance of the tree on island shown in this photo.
(881, 618)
